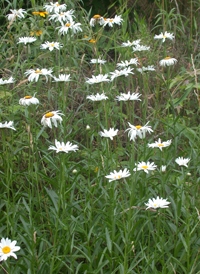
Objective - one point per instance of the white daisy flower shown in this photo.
(182, 161)
(118, 73)
(144, 69)
(140, 48)
(61, 147)
(98, 79)
(29, 100)
(62, 78)
(164, 36)
(51, 45)
(133, 61)
(109, 133)
(168, 61)
(9, 81)
(128, 96)
(51, 117)
(156, 203)
(118, 175)
(97, 97)
(130, 44)
(75, 27)
(16, 13)
(163, 168)
(96, 19)
(55, 7)
(140, 131)
(26, 40)
(145, 166)
(7, 249)
(97, 61)
(34, 74)
(160, 145)
(111, 21)
(62, 17)
(7, 125)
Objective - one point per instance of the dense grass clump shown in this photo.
(99, 140)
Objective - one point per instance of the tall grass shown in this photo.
(60, 207)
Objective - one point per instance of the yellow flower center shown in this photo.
(28, 97)
(60, 148)
(160, 145)
(52, 45)
(96, 16)
(164, 36)
(68, 24)
(155, 205)
(6, 249)
(119, 176)
(38, 33)
(57, 4)
(138, 127)
(111, 20)
(145, 167)
(92, 41)
(49, 115)
(61, 13)
(166, 58)
(38, 71)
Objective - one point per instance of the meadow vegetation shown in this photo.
(99, 161)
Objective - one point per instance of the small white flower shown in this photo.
(61, 147)
(75, 27)
(128, 96)
(16, 13)
(182, 161)
(160, 145)
(97, 97)
(62, 78)
(9, 81)
(98, 79)
(168, 61)
(7, 249)
(111, 21)
(28, 100)
(164, 36)
(51, 45)
(158, 202)
(140, 131)
(140, 48)
(51, 117)
(55, 7)
(145, 166)
(163, 168)
(130, 44)
(88, 127)
(133, 61)
(96, 19)
(108, 133)
(26, 40)
(97, 61)
(34, 74)
(118, 175)
(74, 171)
(144, 69)
(62, 17)
(7, 125)
(118, 73)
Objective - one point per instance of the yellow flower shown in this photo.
(41, 13)
(36, 32)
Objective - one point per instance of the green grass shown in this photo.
(60, 208)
